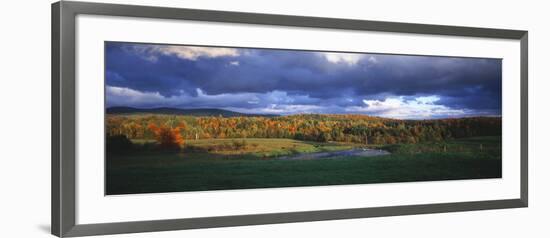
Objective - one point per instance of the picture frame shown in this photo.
(64, 207)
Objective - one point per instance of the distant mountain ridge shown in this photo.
(179, 111)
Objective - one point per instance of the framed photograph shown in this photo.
(168, 119)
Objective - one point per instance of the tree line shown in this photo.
(309, 127)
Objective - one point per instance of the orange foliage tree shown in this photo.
(309, 127)
(168, 138)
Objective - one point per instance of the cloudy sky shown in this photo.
(290, 82)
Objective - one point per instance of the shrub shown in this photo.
(118, 144)
(237, 145)
(168, 138)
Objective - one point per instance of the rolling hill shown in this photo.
(179, 111)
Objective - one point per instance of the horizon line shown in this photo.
(303, 113)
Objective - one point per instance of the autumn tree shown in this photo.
(168, 138)
(309, 127)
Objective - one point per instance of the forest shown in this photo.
(360, 129)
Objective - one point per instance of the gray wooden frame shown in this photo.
(63, 118)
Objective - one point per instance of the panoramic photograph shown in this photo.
(182, 118)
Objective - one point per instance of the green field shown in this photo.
(216, 164)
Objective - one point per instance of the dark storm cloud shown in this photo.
(306, 78)
(461, 82)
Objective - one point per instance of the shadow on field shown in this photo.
(218, 165)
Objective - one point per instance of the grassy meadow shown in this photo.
(243, 163)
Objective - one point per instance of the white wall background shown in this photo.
(25, 120)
